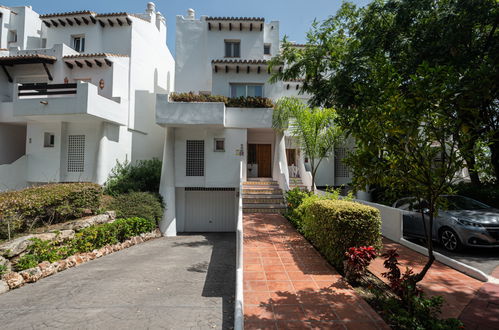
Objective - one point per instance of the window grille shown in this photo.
(195, 158)
(340, 168)
(76, 153)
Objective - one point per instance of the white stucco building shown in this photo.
(209, 147)
(78, 92)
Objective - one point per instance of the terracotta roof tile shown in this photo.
(28, 56)
(94, 55)
(69, 13)
(240, 61)
(213, 18)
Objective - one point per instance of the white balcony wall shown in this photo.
(177, 114)
(12, 142)
(249, 117)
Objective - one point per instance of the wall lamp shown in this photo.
(44, 102)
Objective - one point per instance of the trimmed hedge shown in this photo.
(137, 204)
(87, 240)
(48, 203)
(235, 102)
(334, 226)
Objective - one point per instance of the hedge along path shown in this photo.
(15, 280)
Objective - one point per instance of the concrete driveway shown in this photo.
(185, 282)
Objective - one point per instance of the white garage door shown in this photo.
(210, 210)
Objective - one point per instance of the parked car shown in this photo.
(461, 222)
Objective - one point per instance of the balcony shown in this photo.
(44, 102)
(212, 111)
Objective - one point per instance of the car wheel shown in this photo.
(450, 240)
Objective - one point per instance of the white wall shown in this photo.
(221, 168)
(12, 142)
(13, 176)
(43, 164)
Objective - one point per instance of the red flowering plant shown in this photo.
(357, 260)
(404, 284)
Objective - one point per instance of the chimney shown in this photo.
(151, 8)
(191, 14)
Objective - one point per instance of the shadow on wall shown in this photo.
(220, 271)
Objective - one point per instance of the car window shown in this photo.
(463, 203)
(411, 204)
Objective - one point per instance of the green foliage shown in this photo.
(313, 128)
(334, 226)
(487, 193)
(3, 270)
(86, 240)
(137, 204)
(145, 175)
(424, 314)
(50, 203)
(294, 198)
(27, 261)
(237, 102)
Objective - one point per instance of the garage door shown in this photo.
(210, 210)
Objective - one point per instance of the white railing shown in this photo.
(306, 176)
(239, 301)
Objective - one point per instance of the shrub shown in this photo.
(94, 237)
(357, 260)
(26, 261)
(334, 226)
(236, 102)
(50, 203)
(487, 193)
(145, 175)
(294, 198)
(3, 270)
(137, 204)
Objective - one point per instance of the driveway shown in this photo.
(184, 282)
(484, 259)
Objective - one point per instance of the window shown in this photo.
(219, 145)
(238, 90)
(266, 49)
(48, 140)
(340, 168)
(76, 153)
(78, 43)
(12, 36)
(232, 48)
(194, 158)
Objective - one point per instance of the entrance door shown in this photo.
(264, 160)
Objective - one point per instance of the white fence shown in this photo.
(13, 176)
(239, 302)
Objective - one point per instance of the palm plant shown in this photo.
(313, 128)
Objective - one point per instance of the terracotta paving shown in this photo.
(474, 302)
(289, 285)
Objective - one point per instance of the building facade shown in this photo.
(210, 147)
(78, 93)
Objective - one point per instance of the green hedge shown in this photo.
(48, 203)
(86, 240)
(235, 102)
(333, 226)
(137, 204)
(144, 175)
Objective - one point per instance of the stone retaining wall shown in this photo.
(13, 280)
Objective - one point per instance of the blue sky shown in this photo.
(295, 16)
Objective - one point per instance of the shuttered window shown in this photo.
(76, 153)
(195, 158)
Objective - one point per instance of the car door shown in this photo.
(412, 222)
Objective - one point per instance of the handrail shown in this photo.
(41, 89)
(239, 301)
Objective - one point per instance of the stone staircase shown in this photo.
(262, 195)
(296, 183)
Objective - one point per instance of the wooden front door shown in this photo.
(264, 160)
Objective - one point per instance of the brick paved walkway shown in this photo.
(288, 285)
(472, 301)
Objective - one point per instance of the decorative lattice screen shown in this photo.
(195, 158)
(76, 153)
(341, 170)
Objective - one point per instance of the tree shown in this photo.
(312, 127)
(459, 35)
(400, 109)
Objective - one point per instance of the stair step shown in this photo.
(264, 206)
(262, 192)
(260, 183)
(263, 201)
(274, 211)
(262, 196)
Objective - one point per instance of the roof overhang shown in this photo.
(77, 18)
(242, 66)
(235, 23)
(27, 59)
(89, 60)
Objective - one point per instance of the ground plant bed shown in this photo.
(41, 258)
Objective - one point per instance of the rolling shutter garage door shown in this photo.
(210, 210)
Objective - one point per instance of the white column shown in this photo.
(101, 172)
(168, 225)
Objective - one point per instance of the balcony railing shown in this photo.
(43, 89)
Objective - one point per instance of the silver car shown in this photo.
(462, 222)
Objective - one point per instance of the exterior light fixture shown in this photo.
(44, 102)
